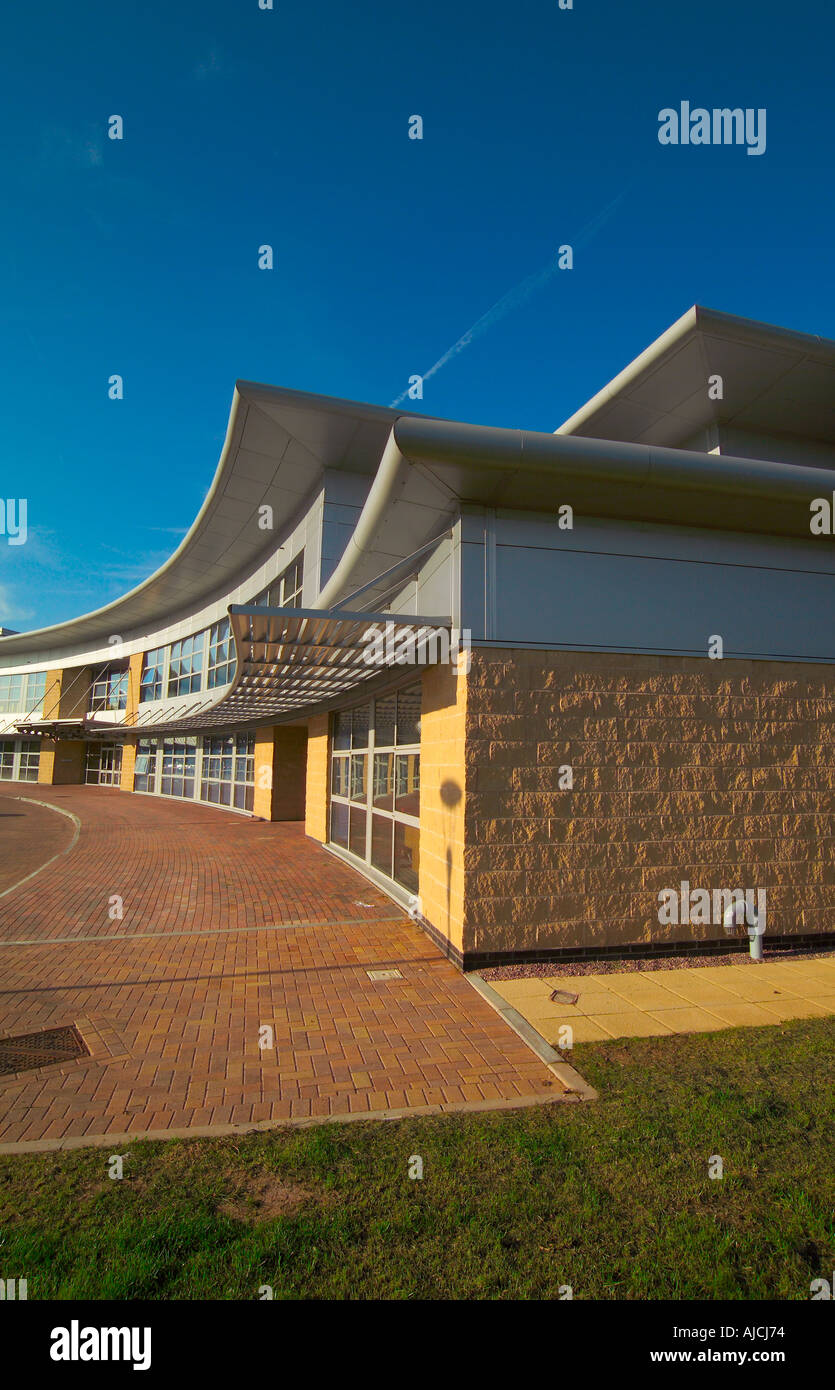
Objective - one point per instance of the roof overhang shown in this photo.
(278, 445)
(293, 658)
(774, 381)
(59, 730)
(295, 661)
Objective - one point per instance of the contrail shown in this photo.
(518, 295)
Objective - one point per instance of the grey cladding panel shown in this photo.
(434, 587)
(624, 602)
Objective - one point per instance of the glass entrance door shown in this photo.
(104, 764)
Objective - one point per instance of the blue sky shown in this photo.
(290, 127)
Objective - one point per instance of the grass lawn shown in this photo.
(613, 1198)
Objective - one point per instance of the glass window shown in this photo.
(12, 694)
(30, 759)
(356, 839)
(339, 777)
(153, 675)
(36, 691)
(339, 824)
(358, 765)
(37, 688)
(383, 784)
(291, 583)
(342, 730)
(408, 715)
(185, 668)
(104, 764)
(382, 791)
(7, 751)
(221, 654)
(110, 688)
(98, 693)
(22, 694)
(228, 775)
(216, 782)
(244, 784)
(145, 768)
(286, 590)
(384, 716)
(381, 839)
(407, 784)
(406, 855)
(179, 757)
(360, 722)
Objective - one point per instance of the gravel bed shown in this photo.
(546, 969)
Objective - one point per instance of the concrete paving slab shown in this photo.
(661, 1002)
(687, 1020)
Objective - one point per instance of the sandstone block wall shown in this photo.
(721, 773)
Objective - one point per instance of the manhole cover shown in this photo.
(384, 975)
(32, 1050)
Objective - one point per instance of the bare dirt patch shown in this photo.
(263, 1196)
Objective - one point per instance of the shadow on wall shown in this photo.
(451, 794)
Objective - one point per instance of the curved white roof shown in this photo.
(278, 443)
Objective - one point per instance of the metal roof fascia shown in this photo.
(667, 473)
(339, 615)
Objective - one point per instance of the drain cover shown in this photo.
(563, 996)
(32, 1050)
(384, 975)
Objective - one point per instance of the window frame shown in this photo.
(160, 679)
(92, 764)
(211, 673)
(31, 692)
(191, 659)
(13, 751)
(111, 680)
(218, 659)
(287, 589)
(400, 758)
(220, 654)
(206, 749)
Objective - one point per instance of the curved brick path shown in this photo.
(170, 997)
(29, 835)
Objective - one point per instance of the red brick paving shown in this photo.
(170, 998)
(29, 834)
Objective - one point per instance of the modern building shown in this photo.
(526, 682)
